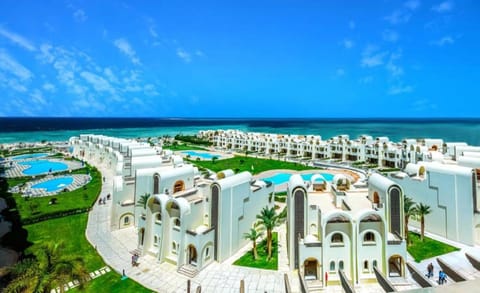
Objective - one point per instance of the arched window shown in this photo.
(365, 265)
(174, 247)
(340, 265)
(158, 217)
(156, 183)
(337, 238)
(126, 220)
(178, 186)
(155, 240)
(207, 252)
(374, 263)
(369, 237)
(176, 222)
(332, 266)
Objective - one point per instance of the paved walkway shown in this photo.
(75, 283)
(116, 247)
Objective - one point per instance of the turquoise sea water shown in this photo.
(50, 129)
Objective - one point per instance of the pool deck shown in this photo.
(17, 169)
(78, 181)
(283, 186)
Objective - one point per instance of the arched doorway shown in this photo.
(192, 255)
(299, 220)
(395, 266)
(141, 236)
(178, 186)
(310, 266)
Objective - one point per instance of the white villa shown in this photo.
(187, 220)
(334, 227)
(452, 192)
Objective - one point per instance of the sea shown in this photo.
(61, 129)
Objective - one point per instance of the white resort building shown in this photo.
(380, 151)
(186, 220)
(336, 227)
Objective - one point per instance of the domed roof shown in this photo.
(339, 179)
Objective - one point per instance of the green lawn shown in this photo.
(428, 248)
(184, 147)
(70, 230)
(80, 198)
(111, 282)
(261, 263)
(7, 153)
(241, 163)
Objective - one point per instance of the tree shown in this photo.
(214, 159)
(269, 219)
(49, 269)
(253, 235)
(422, 210)
(408, 211)
(142, 201)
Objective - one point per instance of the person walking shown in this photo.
(430, 270)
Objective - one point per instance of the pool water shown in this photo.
(43, 166)
(281, 178)
(54, 184)
(29, 156)
(201, 155)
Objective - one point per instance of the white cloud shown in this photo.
(17, 39)
(10, 65)
(446, 40)
(371, 57)
(340, 72)
(352, 24)
(366, 79)
(390, 36)
(37, 98)
(184, 55)
(394, 69)
(423, 105)
(400, 89)
(12, 83)
(110, 75)
(124, 46)
(80, 16)
(412, 4)
(442, 7)
(398, 17)
(348, 44)
(49, 87)
(99, 83)
(199, 53)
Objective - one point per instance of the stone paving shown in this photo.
(75, 283)
(116, 246)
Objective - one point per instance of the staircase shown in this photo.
(188, 270)
(314, 286)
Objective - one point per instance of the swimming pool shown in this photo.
(280, 178)
(29, 156)
(201, 155)
(43, 166)
(54, 184)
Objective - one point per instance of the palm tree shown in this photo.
(409, 210)
(422, 210)
(142, 201)
(50, 269)
(253, 235)
(269, 219)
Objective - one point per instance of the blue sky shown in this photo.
(240, 59)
